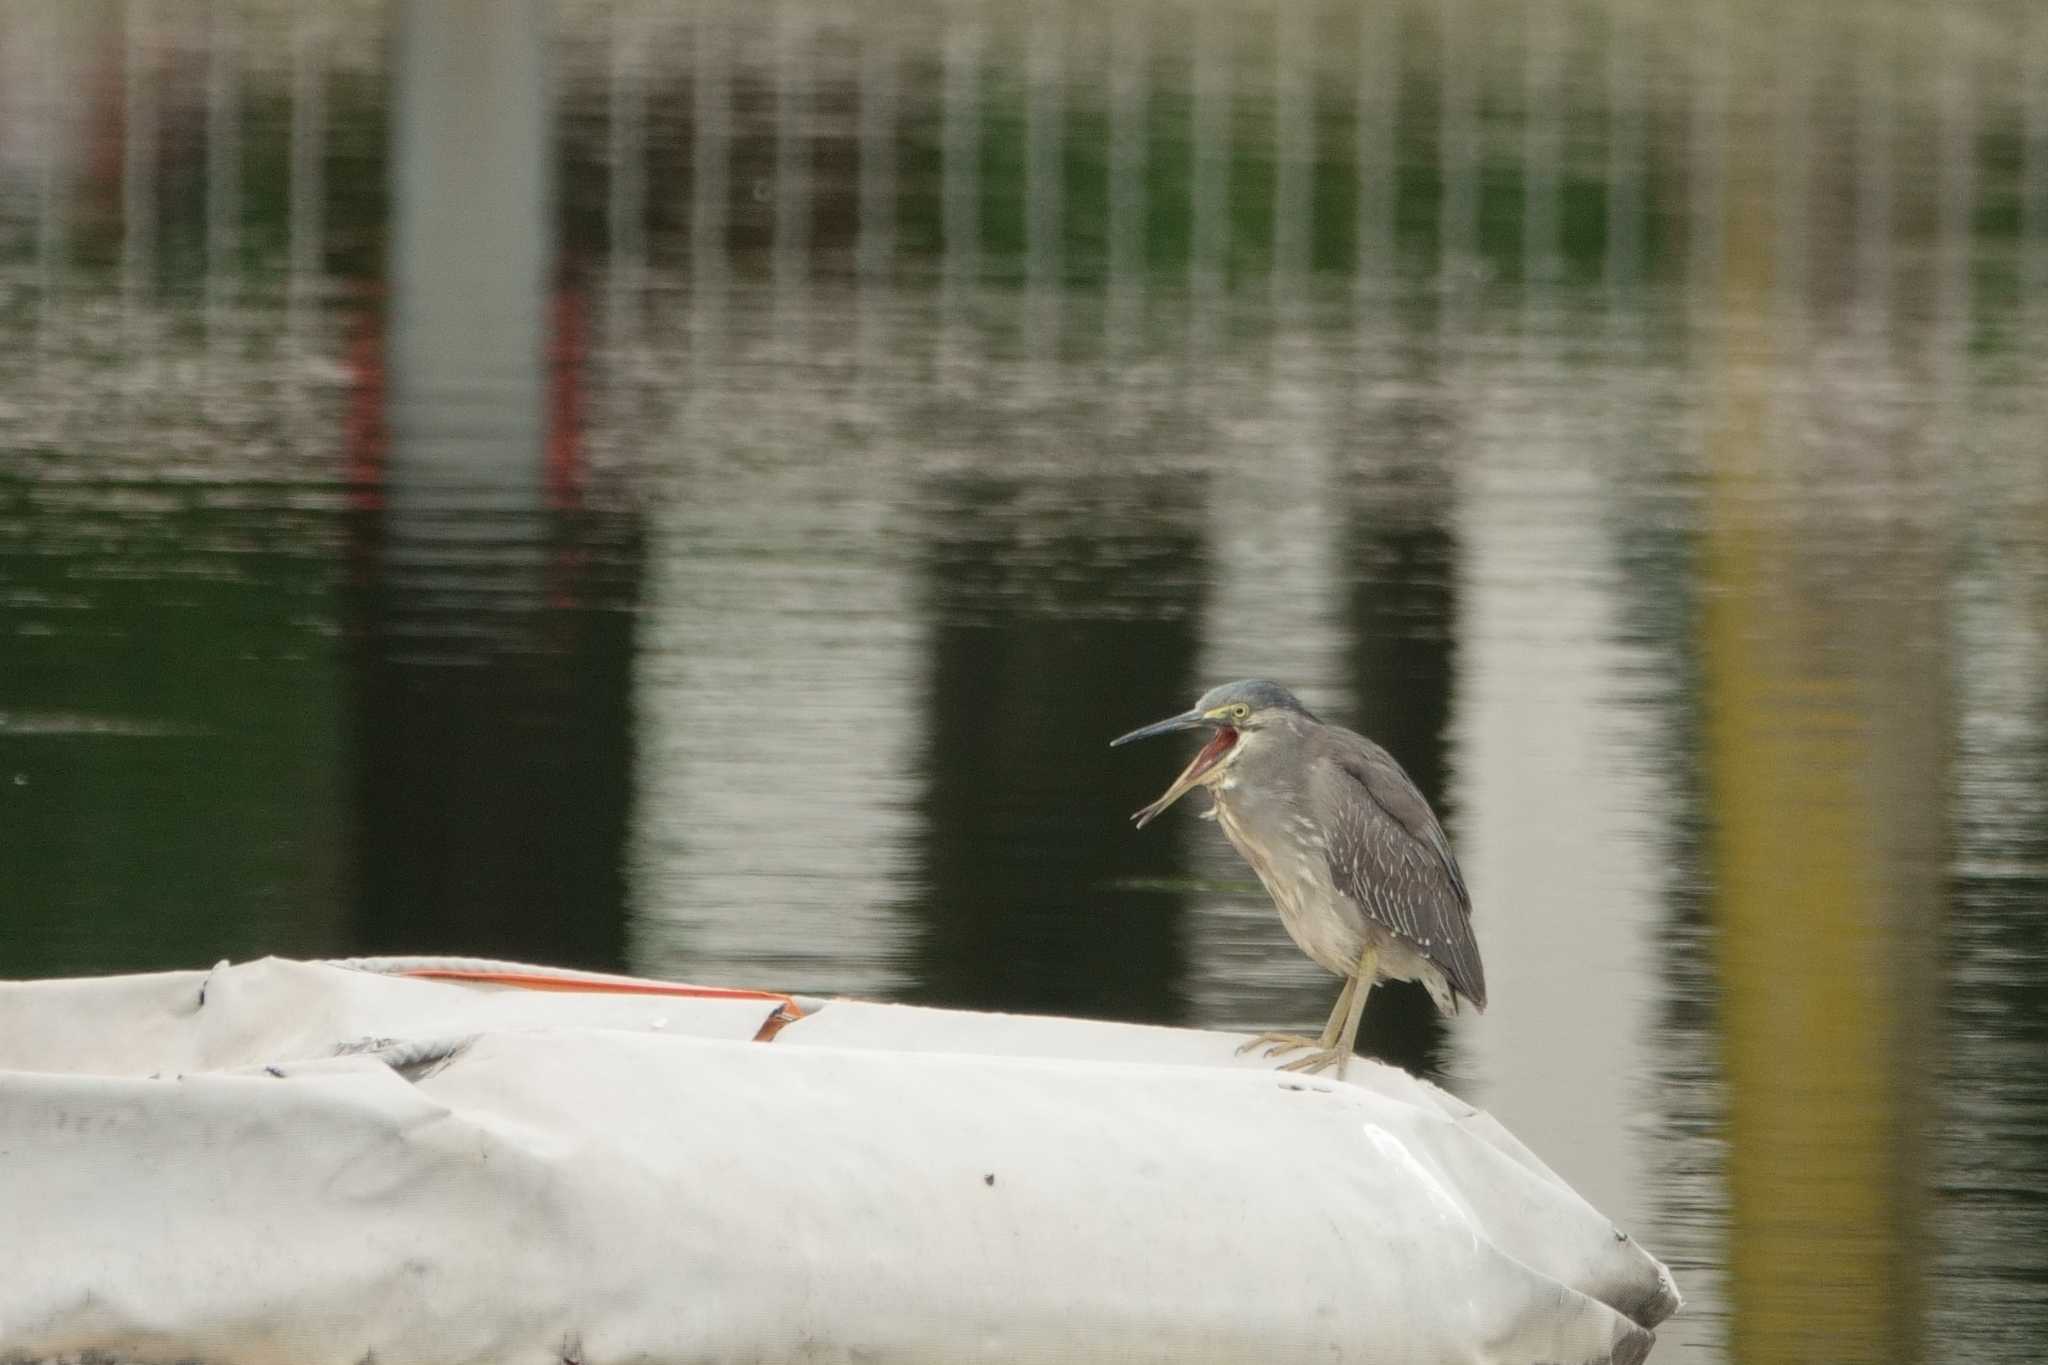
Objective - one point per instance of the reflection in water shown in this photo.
(1996, 1005)
(471, 260)
(1270, 609)
(491, 662)
(695, 488)
(491, 756)
(1827, 726)
(778, 707)
(1397, 550)
(1028, 859)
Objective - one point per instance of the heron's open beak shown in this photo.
(1191, 776)
(1186, 720)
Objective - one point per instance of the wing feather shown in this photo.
(1388, 853)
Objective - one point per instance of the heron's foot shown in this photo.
(1277, 1043)
(1322, 1059)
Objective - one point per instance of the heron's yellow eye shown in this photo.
(1240, 711)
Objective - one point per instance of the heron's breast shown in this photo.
(1295, 872)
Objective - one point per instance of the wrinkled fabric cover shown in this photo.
(326, 1164)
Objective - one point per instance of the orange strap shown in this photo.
(789, 1012)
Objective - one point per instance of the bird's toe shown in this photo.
(1319, 1060)
(1276, 1043)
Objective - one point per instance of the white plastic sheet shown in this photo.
(322, 1163)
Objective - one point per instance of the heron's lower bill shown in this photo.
(1191, 776)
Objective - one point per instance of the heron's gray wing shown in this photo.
(1387, 853)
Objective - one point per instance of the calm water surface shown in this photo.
(693, 488)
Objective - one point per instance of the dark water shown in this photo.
(693, 489)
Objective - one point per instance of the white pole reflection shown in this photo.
(1274, 610)
(1557, 795)
(778, 744)
(471, 252)
(1542, 723)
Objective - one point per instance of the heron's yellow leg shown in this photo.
(1337, 1013)
(1368, 968)
(1336, 1052)
(1278, 1043)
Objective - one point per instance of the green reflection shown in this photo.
(171, 758)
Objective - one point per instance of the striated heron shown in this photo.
(1349, 850)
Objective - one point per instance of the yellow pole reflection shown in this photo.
(1823, 839)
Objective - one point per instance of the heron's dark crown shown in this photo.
(1256, 693)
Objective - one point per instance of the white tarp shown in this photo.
(302, 1162)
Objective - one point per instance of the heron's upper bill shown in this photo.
(1213, 753)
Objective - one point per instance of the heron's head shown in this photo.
(1234, 714)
